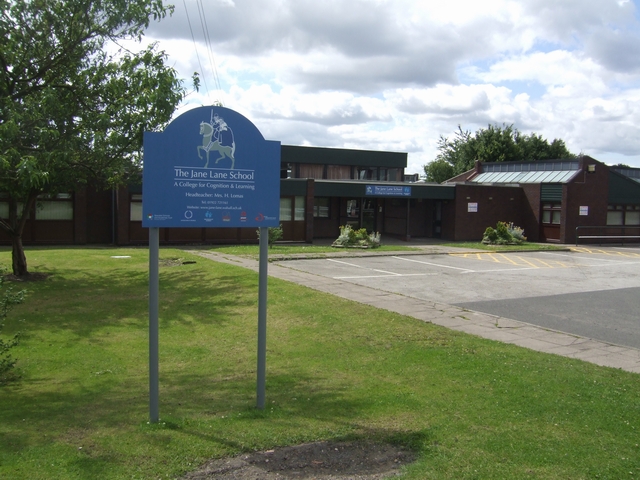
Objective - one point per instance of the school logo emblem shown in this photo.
(217, 136)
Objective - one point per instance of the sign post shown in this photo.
(154, 254)
(262, 316)
(210, 168)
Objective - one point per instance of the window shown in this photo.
(292, 208)
(54, 207)
(353, 208)
(367, 173)
(338, 172)
(551, 213)
(311, 171)
(321, 207)
(4, 206)
(632, 215)
(285, 209)
(298, 214)
(135, 208)
(623, 215)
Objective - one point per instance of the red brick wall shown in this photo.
(585, 190)
(495, 204)
(531, 212)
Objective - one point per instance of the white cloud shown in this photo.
(383, 74)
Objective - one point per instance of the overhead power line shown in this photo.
(195, 46)
(207, 38)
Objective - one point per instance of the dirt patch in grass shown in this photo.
(320, 460)
(29, 277)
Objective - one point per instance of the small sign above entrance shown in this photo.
(388, 191)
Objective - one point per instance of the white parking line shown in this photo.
(395, 275)
(466, 270)
(387, 274)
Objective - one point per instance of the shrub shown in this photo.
(503, 234)
(275, 234)
(7, 301)
(356, 238)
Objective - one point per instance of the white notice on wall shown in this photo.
(472, 207)
(584, 211)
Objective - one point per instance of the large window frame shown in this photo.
(551, 213)
(623, 215)
(135, 207)
(292, 209)
(322, 207)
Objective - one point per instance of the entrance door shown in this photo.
(550, 224)
(369, 215)
(292, 218)
(437, 219)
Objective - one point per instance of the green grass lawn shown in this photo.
(471, 408)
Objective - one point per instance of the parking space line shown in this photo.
(346, 263)
(352, 277)
(387, 274)
(432, 264)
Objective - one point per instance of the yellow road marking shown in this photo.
(515, 260)
(599, 251)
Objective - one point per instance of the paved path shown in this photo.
(456, 318)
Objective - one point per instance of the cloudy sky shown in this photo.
(397, 74)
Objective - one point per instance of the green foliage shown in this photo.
(7, 301)
(275, 234)
(439, 170)
(70, 112)
(491, 144)
(503, 234)
(357, 238)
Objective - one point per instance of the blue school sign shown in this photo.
(211, 167)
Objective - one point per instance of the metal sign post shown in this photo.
(154, 283)
(262, 316)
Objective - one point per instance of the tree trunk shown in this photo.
(19, 260)
(14, 228)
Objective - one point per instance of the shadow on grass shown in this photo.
(82, 306)
(213, 416)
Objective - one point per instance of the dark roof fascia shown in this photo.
(341, 156)
(293, 186)
(623, 190)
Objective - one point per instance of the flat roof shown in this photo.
(342, 156)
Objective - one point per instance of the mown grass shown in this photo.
(471, 408)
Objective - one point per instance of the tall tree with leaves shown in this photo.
(491, 144)
(70, 111)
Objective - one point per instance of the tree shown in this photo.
(439, 170)
(493, 144)
(70, 111)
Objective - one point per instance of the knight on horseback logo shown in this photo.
(217, 136)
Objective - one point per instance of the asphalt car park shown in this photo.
(587, 291)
